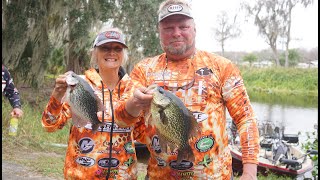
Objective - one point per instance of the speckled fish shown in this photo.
(83, 101)
(174, 123)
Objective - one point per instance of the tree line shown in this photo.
(44, 36)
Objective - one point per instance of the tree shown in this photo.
(250, 58)
(267, 17)
(289, 5)
(293, 58)
(25, 39)
(225, 30)
(38, 27)
(139, 21)
(273, 19)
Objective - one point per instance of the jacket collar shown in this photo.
(93, 76)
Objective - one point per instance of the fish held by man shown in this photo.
(83, 101)
(174, 123)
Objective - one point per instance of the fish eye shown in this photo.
(161, 90)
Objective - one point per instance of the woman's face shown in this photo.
(109, 55)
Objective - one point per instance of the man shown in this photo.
(207, 84)
(9, 90)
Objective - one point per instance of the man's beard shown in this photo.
(177, 50)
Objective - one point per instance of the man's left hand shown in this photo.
(249, 172)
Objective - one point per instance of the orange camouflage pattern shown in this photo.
(87, 153)
(206, 83)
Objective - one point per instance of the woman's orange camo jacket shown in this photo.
(207, 84)
(87, 153)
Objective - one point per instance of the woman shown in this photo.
(109, 153)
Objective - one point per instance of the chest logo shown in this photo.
(204, 144)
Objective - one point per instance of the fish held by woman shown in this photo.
(83, 101)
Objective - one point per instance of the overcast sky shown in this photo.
(304, 27)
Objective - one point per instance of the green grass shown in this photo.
(31, 145)
(281, 81)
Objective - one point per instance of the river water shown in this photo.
(295, 114)
(294, 120)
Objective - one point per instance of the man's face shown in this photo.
(177, 34)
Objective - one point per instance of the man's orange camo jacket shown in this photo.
(208, 84)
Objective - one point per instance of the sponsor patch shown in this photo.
(129, 161)
(175, 8)
(204, 71)
(184, 165)
(161, 162)
(206, 161)
(85, 161)
(86, 145)
(128, 147)
(204, 144)
(105, 162)
(200, 116)
(107, 128)
(155, 145)
(112, 35)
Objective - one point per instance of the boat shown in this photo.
(279, 154)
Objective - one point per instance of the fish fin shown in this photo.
(147, 116)
(171, 147)
(162, 142)
(185, 153)
(163, 117)
(78, 121)
(95, 127)
(101, 107)
(194, 126)
(64, 98)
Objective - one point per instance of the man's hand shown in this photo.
(249, 172)
(141, 100)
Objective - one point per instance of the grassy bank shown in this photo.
(281, 81)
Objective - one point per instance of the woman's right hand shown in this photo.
(60, 86)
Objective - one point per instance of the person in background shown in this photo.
(11, 92)
(87, 155)
(208, 84)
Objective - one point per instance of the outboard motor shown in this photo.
(291, 164)
(312, 151)
(279, 150)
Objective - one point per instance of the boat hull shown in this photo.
(266, 167)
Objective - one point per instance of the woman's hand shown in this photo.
(60, 86)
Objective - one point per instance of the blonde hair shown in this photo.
(93, 58)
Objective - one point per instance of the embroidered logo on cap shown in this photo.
(112, 35)
(175, 8)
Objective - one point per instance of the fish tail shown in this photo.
(185, 153)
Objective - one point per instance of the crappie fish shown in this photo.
(83, 101)
(174, 123)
